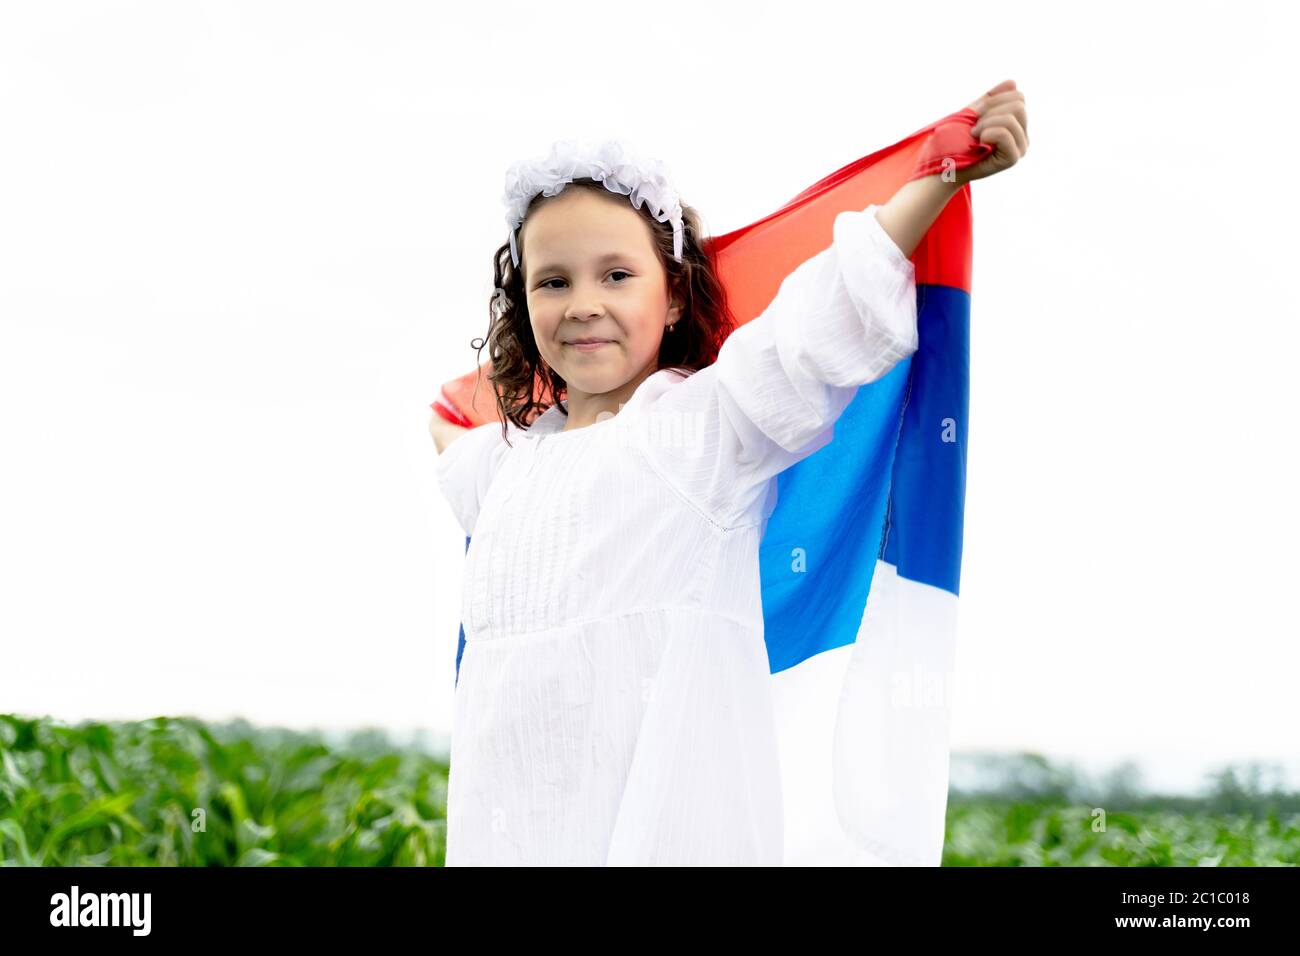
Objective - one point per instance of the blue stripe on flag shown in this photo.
(925, 520)
(887, 456)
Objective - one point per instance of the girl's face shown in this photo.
(592, 272)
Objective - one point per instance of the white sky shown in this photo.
(242, 244)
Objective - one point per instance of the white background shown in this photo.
(243, 244)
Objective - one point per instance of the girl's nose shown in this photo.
(584, 309)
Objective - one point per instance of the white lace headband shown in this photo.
(613, 163)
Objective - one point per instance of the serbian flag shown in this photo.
(861, 645)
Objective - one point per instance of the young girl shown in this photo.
(613, 700)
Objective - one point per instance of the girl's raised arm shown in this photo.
(840, 320)
(912, 210)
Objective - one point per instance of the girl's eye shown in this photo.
(547, 283)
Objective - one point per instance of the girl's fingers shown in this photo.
(981, 102)
(1017, 109)
(1011, 123)
(1003, 123)
(1014, 103)
(988, 102)
(1002, 140)
(1011, 116)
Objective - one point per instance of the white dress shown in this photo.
(613, 705)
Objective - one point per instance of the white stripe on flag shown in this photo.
(864, 734)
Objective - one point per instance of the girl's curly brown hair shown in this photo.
(517, 365)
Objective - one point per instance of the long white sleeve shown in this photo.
(840, 320)
(466, 467)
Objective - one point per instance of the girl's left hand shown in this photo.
(1002, 124)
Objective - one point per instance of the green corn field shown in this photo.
(181, 792)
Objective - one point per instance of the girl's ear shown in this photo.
(675, 309)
